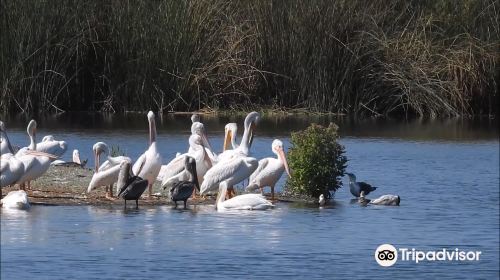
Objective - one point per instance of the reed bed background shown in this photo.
(381, 57)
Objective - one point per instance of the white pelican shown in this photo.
(175, 170)
(5, 146)
(75, 161)
(31, 130)
(249, 201)
(269, 170)
(195, 118)
(231, 172)
(16, 200)
(197, 128)
(386, 199)
(35, 165)
(107, 173)
(246, 141)
(51, 146)
(230, 131)
(149, 164)
(11, 169)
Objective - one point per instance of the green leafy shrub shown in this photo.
(317, 161)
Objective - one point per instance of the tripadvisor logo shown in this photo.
(387, 255)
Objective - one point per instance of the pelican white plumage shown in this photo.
(11, 169)
(149, 164)
(230, 132)
(197, 128)
(175, 171)
(35, 163)
(5, 146)
(387, 200)
(107, 173)
(76, 161)
(269, 170)
(51, 146)
(231, 171)
(16, 200)
(249, 201)
(246, 141)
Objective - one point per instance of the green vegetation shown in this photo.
(317, 161)
(400, 57)
(116, 151)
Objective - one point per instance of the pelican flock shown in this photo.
(199, 168)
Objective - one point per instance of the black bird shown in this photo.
(184, 189)
(131, 187)
(357, 187)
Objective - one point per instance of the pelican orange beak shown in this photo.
(282, 156)
(96, 160)
(252, 128)
(227, 139)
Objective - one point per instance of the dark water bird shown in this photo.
(357, 187)
(184, 189)
(131, 187)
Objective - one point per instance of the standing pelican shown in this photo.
(130, 187)
(230, 131)
(322, 200)
(249, 201)
(231, 171)
(35, 163)
(11, 170)
(246, 141)
(5, 146)
(107, 174)
(183, 190)
(269, 170)
(357, 187)
(175, 171)
(149, 164)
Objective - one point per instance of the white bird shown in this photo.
(16, 200)
(107, 173)
(198, 128)
(322, 200)
(175, 170)
(269, 170)
(246, 141)
(149, 164)
(76, 161)
(51, 146)
(11, 169)
(5, 146)
(387, 200)
(230, 132)
(241, 202)
(231, 171)
(35, 163)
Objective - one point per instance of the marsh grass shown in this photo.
(425, 58)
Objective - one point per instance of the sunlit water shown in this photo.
(447, 175)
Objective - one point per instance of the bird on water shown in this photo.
(357, 187)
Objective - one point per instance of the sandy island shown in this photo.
(63, 185)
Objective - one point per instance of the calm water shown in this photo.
(446, 172)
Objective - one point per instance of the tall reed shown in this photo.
(426, 58)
